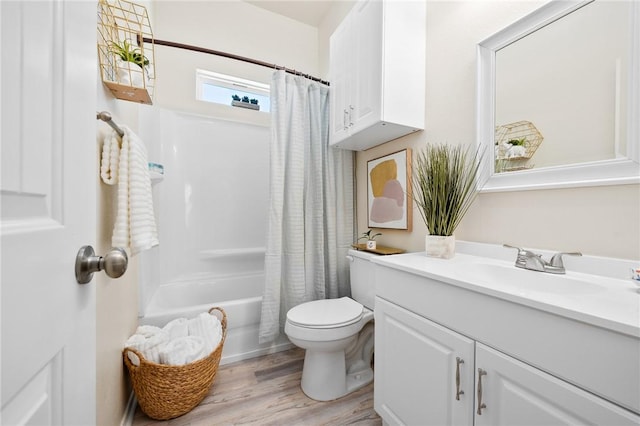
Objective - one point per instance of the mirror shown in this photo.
(558, 98)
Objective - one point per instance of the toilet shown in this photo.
(337, 335)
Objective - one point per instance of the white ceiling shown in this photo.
(310, 12)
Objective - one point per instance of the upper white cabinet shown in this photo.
(377, 73)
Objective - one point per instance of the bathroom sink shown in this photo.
(525, 281)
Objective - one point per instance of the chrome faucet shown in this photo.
(529, 260)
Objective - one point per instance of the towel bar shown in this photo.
(106, 117)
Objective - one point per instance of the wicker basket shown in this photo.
(167, 391)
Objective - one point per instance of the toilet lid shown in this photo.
(326, 313)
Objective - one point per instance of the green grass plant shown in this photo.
(445, 184)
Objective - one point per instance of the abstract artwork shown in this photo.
(388, 189)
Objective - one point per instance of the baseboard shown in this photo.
(130, 410)
(255, 353)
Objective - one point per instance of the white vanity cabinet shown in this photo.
(519, 365)
(424, 372)
(377, 74)
(516, 393)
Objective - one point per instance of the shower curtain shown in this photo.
(311, 204)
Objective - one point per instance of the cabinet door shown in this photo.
(341, 72)
(366, 105)
(415, 370)
(517, 394)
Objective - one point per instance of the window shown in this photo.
(219, 88)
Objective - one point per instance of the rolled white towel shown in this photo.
(183, 350)
(177, 328)
(153, 346)
(209, 328)
(148, 330)
(149, 345)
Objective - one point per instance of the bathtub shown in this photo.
(240, 295)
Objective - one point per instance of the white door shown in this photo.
(423, 372)
(48, 165)
(515, 393)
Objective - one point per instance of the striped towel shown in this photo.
(209, 328)
(110, 158)
(135, 226)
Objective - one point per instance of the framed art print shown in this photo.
(389, 190)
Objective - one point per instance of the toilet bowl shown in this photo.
(337, 335)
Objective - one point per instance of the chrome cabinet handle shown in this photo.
(458, 390)
(481, 405)
(351, 108)
(114, 263)
(345, 116)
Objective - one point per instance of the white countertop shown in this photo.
(604, 301)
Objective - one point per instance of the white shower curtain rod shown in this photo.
(229, 55)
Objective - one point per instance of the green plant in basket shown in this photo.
(128, 53)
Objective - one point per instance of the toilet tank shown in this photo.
(362, 280)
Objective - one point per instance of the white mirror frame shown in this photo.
(605, 172)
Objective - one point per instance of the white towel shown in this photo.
(149, 345)
(182, 350)
(110, 158)
(135, 226)
(147, 331)
(209, 328)
(177, 328)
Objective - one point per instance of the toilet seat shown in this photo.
(326, 313)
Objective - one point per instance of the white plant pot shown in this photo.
(440, 246)
(130, 74)
(371, 245)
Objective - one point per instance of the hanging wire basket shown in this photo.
(127, 63)
(521, 131)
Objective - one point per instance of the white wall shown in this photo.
(229, 26)
(601, 221)
(116, 300)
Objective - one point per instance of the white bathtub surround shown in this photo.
(238, 295)
(310, 225)
(211, 213)
(135, 226)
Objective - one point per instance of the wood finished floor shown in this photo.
(266, 391)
